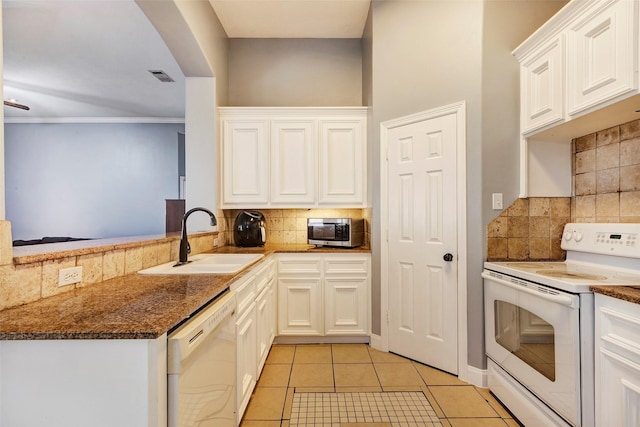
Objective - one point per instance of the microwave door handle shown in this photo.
(566, 300)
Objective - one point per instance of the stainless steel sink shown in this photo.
(207, 264)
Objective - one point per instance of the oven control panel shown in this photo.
(603, 238)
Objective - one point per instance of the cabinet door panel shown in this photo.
(601, 52)
(341, 162)
(542, 86)
(245, 161)
(618, 397)
(346, 306)
(293, 161)
(299, 306)
(261, 315)
(246, 357)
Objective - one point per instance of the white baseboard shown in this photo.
(296, 339)
(476, 376)
(376, 342)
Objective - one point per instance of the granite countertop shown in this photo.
(129, 307)
(627, 293)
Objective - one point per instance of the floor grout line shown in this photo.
(424, 388)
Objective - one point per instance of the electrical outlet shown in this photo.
(496, 199)
(69, 276)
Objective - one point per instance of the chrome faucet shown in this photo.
(185, 249)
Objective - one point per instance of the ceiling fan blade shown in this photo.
(16, 105)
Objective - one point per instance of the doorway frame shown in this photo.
(459, 109)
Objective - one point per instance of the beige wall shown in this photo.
(295, 72)
(433, 58)
(506, 25)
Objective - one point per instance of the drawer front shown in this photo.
(619, 326)
(302, 265)
(246, 292)
(264, 275)
(347, 265)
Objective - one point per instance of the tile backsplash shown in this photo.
(26, 281)
(607, 175)
(606, 171)
(529, 229)
(289, 226)
(37, 277)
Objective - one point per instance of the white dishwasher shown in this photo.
(201, 367)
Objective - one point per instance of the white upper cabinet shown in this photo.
(542, 86)
(342, 169)
(244, 152)
(293, 157)
(578, 74)
(293, 166)
(602, 53)
(583, 59)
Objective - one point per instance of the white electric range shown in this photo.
(539, 319)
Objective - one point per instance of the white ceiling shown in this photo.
(90, 58)
(292, 18)
(86, 58)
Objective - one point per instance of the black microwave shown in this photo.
(341, 232)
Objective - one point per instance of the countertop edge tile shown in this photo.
(134, 306)
(626, 293)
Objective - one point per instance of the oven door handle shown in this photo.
(562, 299)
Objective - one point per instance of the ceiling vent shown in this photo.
(162, 76)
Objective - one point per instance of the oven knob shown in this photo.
(567, 235)
(578, 236)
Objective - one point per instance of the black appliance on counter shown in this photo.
(248, 229)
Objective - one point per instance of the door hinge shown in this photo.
(388, 317)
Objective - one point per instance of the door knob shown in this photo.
(448, 257)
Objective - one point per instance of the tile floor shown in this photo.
(352, 368)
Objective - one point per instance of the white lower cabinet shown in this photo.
(266, 316)
(246, 372)
(617, 362)
(346, 305)
(299, 306)
(323, 294)
(255, 329)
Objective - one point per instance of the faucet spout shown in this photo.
(185, 248)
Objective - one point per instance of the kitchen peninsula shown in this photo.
(79, 354)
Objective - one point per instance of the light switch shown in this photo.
(496, 201)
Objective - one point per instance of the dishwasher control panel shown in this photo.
(187, 337)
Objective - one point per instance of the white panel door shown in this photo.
(341, 162)
(245, 162)
(293, 157)
(601, 52)
(422, 233)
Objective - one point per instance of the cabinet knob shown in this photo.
(448, 257)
